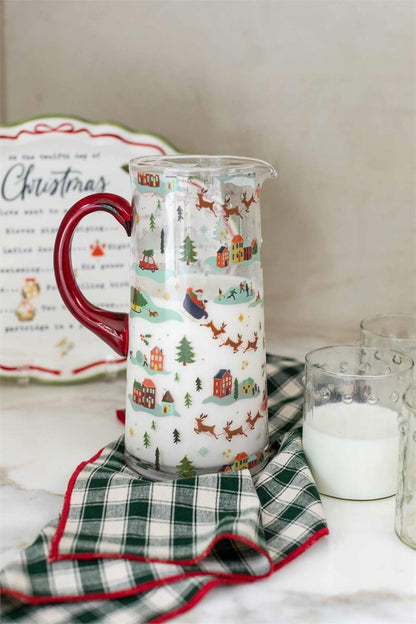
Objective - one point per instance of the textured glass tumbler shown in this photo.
(391, 331)
(406, 489)
(353, 396)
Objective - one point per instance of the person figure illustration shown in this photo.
(145, 361)
(247, 290)
(232, 294)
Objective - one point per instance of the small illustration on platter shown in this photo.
(97, 249)
(26, 311)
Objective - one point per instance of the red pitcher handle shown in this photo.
(112, 327)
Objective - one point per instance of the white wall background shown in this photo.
(323, 89)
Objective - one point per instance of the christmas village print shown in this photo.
(196, 376)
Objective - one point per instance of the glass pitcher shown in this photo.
(194, 338)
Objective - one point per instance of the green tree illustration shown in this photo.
(159, 205)
(157, 459)
(137, 299)
(153, 425)
(188, 400)
(146, 439)
(188, 251)
(185, 468)
(162, 241)
(255, 247)
(176, 378)
(152, 223)
(235, 389)
(176, 436)
(179, 213)
(185, 352)
(198, 384)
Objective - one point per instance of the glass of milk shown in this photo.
(391, 331)
(353, 395)
(406, 489)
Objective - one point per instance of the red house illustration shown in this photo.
(145, 393)
(223, 257)
(247, 250)
(149, 393)
(223, 381)
(148, 179)
(156, 359)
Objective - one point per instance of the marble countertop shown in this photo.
(360, 573)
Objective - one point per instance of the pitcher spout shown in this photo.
(263, 171)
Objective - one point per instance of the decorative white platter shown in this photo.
(47, 164)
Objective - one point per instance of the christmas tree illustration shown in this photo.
(185, 352)
(137, 300)
(235, 395)
(159, 205)
(162, 241)
(152, 223)
(177, 378)
(157, 459)
(198, 384)
(179, 213)
(146, 439)
(185, 468)
(153, 425)
(188, 251)
(176, 436)
(188, 400)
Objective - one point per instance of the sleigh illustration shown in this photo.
(194, 305)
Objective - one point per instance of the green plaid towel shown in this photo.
(129, 550)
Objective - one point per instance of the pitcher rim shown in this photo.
(172, 163)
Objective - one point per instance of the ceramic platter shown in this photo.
(48, 164)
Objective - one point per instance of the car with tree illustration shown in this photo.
(148, 262)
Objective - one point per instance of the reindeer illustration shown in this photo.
(229, 211)
(203, 203)
(233, 432)
(203, 428)
(215, 331)
(252, 344)
(252, 421)
(232, 343)
(247, 202)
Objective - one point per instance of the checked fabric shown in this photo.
(133, 551)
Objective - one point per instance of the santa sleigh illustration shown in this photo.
(194, 304)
